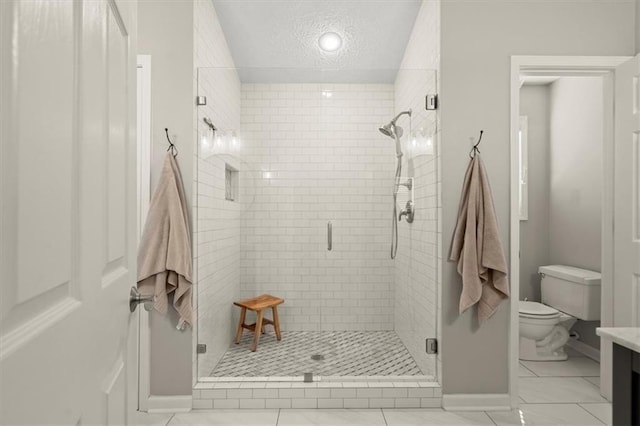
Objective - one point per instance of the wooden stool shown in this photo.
(257, 305)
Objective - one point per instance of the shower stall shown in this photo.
(295, 188)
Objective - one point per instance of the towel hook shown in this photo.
(172, 147)
(475, 149)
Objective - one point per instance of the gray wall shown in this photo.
(165, 31)
(534, 232)
(576, 172)
(478, 38)
(575, 217)
(637, 26)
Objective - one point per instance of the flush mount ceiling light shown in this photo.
(330, 42)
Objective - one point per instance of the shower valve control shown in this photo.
(408, 212)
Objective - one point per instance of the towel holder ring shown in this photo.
(474, 151)
(172, 147)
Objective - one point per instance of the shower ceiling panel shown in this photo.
(277, 41)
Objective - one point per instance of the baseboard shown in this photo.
(169, 404)
(584, 349)
(477, 402)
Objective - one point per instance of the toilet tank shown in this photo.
(571, 290)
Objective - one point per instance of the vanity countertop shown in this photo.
(628, 337)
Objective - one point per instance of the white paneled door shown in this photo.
(68, 206)
(626, 293)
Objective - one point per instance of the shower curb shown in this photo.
(322, 394)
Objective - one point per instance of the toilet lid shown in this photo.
(537, 309)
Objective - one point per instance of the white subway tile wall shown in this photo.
(369, 394)
(217, 221)
(416, 266)
(316, 156)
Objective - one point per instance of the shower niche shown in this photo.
(231, 185)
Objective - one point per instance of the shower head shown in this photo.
(390, 129)
(395, 132)
(387, 130)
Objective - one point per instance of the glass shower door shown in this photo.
(377, 312)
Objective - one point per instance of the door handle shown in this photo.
(329, 236)
(135, 298)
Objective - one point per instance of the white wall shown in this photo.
(534, 232)
(217, 230)
(478, 39)
(316, 159)
(171, 107)
(416, 265)
(575, 206)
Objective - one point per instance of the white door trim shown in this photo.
(570, 66)
(159, 404)
(476, 402)
(144, 196)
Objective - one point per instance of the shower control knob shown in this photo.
(407, 211)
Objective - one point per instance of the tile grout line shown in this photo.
(563, 403)
(592, 384)
(528, 369)
(590, 413)
(491, 418)
(169, 421)
(384, 417)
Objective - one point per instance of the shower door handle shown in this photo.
(329, 236)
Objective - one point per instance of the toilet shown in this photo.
(568, 294)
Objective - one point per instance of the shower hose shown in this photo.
(394, 221)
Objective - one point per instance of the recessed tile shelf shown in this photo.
(230, 183)
(321, 394)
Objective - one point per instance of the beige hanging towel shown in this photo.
(476, 245)
(164, 254)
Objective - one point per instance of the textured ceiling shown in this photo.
(277, 41)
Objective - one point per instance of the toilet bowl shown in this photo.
(568, 294)
(543, 332)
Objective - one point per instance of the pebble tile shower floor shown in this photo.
(346, 353)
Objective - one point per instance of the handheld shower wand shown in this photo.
(395, 132)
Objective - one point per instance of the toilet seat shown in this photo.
(537, 310)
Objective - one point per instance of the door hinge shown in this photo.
(432, 346)
(201, 348)
(431, 102)
(201, 100)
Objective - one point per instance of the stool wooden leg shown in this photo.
(257, 332)
(243, 315)
(276, 322)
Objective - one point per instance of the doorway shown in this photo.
(551, 68)
(560, 207)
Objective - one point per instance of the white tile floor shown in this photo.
(552, 393)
